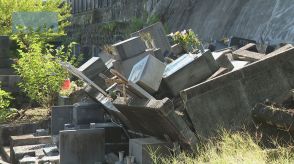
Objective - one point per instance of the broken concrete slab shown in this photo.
(18, 152)
(82, 146)
(159, 38)
(189, 70)
(28, 160)
(248, 52)
(147, 73)
(222, 59)
(86, 113)
(29, 139)
(128, 48)
(157, 118)
(60, 115)
(226, 100)
(141, 148)
(49, 159)
(93, 67)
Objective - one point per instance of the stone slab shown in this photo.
(147, 73)
(142, 147)
(222, 59)
(189, 70)
(86, 113)
(93, 67)
(29, 139)
(128, 48)
(113, 132)
(60, 115)
(82, 146)
(226, 101)
(18, 152)
(156, 118)
(159, 38)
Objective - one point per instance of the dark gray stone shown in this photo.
(82, 146)
(93, 67)
(86, 113)
(60, 115)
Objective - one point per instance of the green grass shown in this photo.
(232, 148)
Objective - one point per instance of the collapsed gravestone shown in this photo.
(188, 70)
(86, 113)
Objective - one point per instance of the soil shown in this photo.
(31, 115)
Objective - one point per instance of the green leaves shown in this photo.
(5, 98)
(187, 39)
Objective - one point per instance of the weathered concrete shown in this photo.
(82, 146)
(157, 118)
(128, 48)
(159, 39)
(7, 130)
(248, 53)
(189, 70)
(60, 115)
(29, 139)
(142, 147)
(86, 113)
(18, 152)
(226, 100)
(147, 73)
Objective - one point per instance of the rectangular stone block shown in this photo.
(82, 146)
(18, 152)
(128, 48)
(86, 113)
(189, 70)
(142, 147)
(93, 67)
(113, 132)
(60, 115)
(159, 38)
(147, 73)
(29, 139)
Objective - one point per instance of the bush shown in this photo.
(39, 67)
(187, 39)
(5, 100)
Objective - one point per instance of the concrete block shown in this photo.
(147, 73)
(222, 59)
(60, 115)
(177, 50)
(28, 160)
(82, 146)
(141, 147)
(113, 132)
(93, 67)
(189, 70)
(248, 52)
(128, 48)
(49, 159)
(18, 152)
(51, 151)
(159, 38)
(125, 67)
(29, 139)
(86, 113)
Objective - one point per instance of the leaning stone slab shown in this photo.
(226, 101)
(93, 67)
(128, 48)
(142, 147)
(189, 70)
(147, 73)
(248, 52)
(159, 39)
(157, 118)
(82, 146)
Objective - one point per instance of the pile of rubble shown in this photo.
(143, 102)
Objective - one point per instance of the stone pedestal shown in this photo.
(60, 115)
(86, 113)
(82, 146)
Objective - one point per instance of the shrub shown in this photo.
(5, 100)
(187, 39)
(39, 66)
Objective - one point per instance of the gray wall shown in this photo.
(268, 21)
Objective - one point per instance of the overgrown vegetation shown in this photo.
(5, 100)
(236, 147)
(187, 39)
(39, 66)
(9, 6)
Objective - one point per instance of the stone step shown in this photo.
(29, 139)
